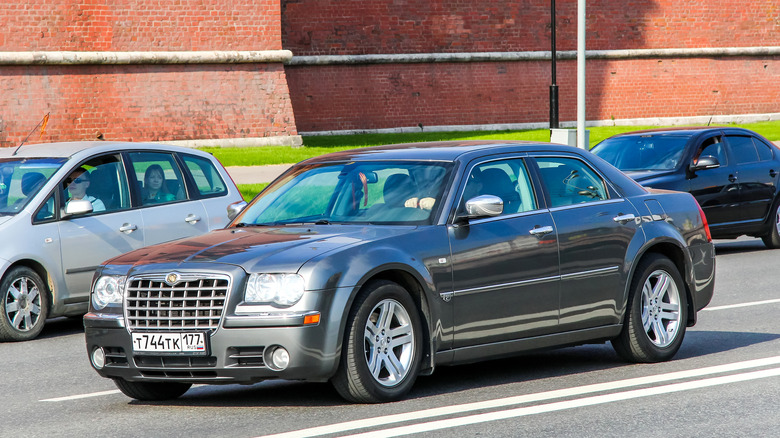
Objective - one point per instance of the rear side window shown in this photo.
(570, 181)
(206, 176)
(743, 149)
(764, 150)
(158, 179)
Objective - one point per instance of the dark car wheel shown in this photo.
(25, 304)
(152, 391)
(772, 240)
(656, 313)
(382, 346)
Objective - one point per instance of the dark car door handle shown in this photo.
(541, 231)
(773, 173)
(732, 178)
(128, 228)
(624, 218)
(192, 219)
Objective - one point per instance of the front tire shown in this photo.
(657, 313)
(382, 347)
(24, 306)
(772, 239)
(152, 391)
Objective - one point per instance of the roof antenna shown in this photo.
(43, 122)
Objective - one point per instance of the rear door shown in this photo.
(168, 210)
(594, 228)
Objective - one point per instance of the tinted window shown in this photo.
(714, 147)
(158, 177)
(764, 150)
(743, 149)
(507, 179)
(643, 152)
(207, 178)
(570, 181)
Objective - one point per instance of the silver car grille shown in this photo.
(189, 302)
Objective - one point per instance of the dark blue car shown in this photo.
(732, 172)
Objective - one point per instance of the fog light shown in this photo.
(98, 358)
(279, 358)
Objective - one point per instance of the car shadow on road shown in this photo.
(571, 361)
(740, 245)
(62, 326)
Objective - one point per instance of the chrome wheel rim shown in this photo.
(23, 304)
(389, 343)
(777, 220)
(661, 317)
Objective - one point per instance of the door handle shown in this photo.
(772, 173)
(541, 231)
(624, 218)
(732, 178)
(192, 219)
(128, 228)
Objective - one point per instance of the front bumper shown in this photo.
(236, 351)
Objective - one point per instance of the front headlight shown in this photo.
(282, 289)
(108, 289)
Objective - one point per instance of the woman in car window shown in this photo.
(155, 190)
(77, 184)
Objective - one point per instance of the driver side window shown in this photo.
(506, 179)
(714, 147)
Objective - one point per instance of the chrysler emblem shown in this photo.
(172, 279)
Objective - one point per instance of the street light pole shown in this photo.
(554, 86)
(581, 75)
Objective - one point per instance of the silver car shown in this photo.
(66, 207)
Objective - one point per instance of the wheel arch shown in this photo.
(674, 252)
(42, 272)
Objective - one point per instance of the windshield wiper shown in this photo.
(322, 222)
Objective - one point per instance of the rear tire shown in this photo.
(656, 313)
(382, 347)
(772, 239)
(24, 305)
(152, 391)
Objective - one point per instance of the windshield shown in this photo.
(398, 192)
(21, 179)
(645, 152)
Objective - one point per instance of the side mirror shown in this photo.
(705, 162)
(484, 206)
(235, 208)
(76, 207)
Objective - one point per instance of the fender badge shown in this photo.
(172, 278)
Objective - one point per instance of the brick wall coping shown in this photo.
(653, 121)
(407, 58)
(286, 140)
(116, 58)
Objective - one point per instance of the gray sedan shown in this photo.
(66, 207)
(370, 267)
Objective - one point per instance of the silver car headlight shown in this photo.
(109, 289)
(282, 289)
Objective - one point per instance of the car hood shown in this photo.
(284, 249)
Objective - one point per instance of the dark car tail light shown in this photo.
(704, 222)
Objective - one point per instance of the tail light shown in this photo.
(704, 222)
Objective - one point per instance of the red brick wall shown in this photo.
(386, 96)
(143, 102)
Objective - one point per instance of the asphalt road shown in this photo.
(724, 382)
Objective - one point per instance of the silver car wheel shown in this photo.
(23, 304)
(389, 342)
(777, 219)
(661, 317)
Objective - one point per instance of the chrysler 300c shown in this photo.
(367, 268)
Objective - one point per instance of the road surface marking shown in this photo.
(734, 306)
(527, 398)
(80, 396)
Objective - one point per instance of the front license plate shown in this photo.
(169, 343)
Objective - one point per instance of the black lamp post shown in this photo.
(554, 85)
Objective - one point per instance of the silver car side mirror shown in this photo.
(484, 206)
(235, 208)
(76, 207)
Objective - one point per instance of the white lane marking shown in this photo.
(527, 398)
(80, 396)
(570, 404)
(734, 306)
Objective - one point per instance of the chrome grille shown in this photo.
(194, 302)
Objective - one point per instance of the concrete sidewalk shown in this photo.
(256, 174)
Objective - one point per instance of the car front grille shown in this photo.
(175, 301)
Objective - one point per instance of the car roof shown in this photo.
(683, 130)
(440, 150)
(70, 149)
